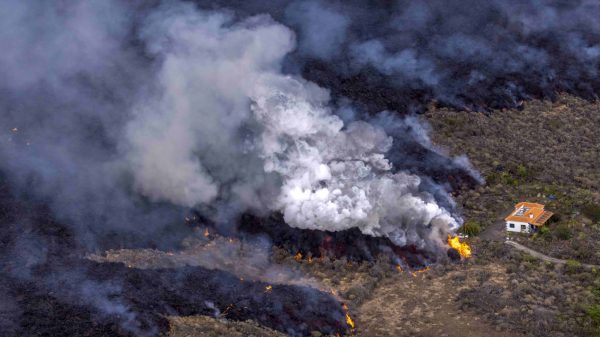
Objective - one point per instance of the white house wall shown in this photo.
(518, 227)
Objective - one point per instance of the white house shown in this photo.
(527, 217)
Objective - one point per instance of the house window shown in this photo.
(511, 225)
(523, 227)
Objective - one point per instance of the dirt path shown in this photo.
(544, 257)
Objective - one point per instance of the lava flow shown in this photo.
(462, 247)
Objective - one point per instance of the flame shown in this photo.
(414, 273)
(463, 248)
(268, 288)
(349, 320)
(298, 257)
(398, 268)
(309, 259)
(206, 233)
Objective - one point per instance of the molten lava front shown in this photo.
(462, 247)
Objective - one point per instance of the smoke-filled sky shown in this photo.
(122, 114)
(465, 53)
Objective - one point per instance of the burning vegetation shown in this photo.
(244, 115)
(462, 248)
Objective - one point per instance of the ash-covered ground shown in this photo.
(498, 292)
(295, 168)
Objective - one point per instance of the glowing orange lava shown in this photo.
(462, 247)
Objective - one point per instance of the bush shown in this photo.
(572, 266)
(545, 233)
(563, 232)
(522, 171)
(529, 259)
(592, 211)
(471, 228)
(593, 312)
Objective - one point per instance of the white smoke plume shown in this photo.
(224, 119)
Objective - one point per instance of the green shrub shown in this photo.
(563, 232)
(592, 211)
(522, 171)
(593, 311)
(572, 266)
(545, 233)
(471, 228)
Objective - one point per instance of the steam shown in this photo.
(227, 120)
(128, 113)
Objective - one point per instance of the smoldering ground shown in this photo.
(117, 117)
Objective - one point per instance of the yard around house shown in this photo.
(549, 153)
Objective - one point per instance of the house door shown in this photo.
(523, 228)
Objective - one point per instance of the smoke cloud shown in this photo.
(119, 116)
(122, 115)
(227, 120)
(466, 54)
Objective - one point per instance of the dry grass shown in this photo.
(203, 326)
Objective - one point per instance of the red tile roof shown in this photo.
(530, 212)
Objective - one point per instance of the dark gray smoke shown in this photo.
(120, 115)
(467, 54)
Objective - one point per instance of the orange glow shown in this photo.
(398, 267)
(206, 232)
(298, 257)
(268, 288)
(309, 259)
(462, 247)
(414, 273)
(349, 320)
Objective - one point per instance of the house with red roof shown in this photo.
(527, 217)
